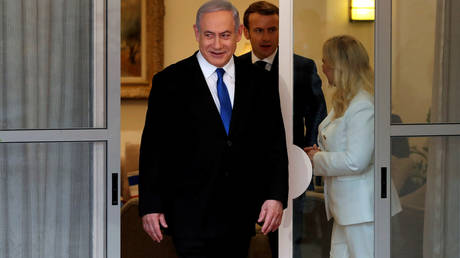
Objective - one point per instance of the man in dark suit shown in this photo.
(261, 28)
(213, 157)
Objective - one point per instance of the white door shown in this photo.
(59, 128)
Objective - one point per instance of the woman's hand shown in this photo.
(311, 151)
(311, 148)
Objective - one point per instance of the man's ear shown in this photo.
(240, 32)
(246, 33)
(197, 33)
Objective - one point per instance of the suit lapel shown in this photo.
(242, 82)
(275, 64)
(204, 104)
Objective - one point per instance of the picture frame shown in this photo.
(141, 53)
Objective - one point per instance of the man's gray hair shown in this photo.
(215, 6)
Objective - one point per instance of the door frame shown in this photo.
(106, 60)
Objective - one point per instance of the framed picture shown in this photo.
(141, 53)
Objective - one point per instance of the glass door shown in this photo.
(304, 27)
(417, 128)
(59, 129)
(417, 121)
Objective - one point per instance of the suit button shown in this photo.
(229, 143)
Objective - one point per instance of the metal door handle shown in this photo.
(383, 189)
(114, 188)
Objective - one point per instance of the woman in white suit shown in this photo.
(346, 148)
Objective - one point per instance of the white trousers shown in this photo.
(353, 241)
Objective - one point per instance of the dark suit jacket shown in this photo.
(309, 104)
(207, 183)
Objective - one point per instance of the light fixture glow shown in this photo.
(362, 10)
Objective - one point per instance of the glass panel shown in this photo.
(425, 61)
(425, 174)
(314, 23)
(311, 228)
(317, 21)
(48, 198)
(46, 60)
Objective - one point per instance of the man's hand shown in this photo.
(271, 214)
(151, 223)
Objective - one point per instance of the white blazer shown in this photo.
(346, 162)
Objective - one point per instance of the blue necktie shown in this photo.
(224, 99)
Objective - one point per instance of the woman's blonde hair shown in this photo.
(350, 63)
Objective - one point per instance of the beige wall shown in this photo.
(132, 116)
(317, 20)
(314, 22)
(413, 58)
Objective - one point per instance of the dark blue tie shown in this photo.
(261, 64)
(224, 99)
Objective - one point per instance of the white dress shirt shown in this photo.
(209, 72)
(269, 60)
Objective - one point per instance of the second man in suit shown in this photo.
(261, 28)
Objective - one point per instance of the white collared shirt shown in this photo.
(268, 59)
(209, 72)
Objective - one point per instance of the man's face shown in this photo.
(217, 37)
(263, 34)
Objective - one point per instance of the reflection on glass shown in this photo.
(425, 61)
(47, 65)
(314, 23)
(316, 230)
(344, 158)
(46, 191)
(427, 181)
